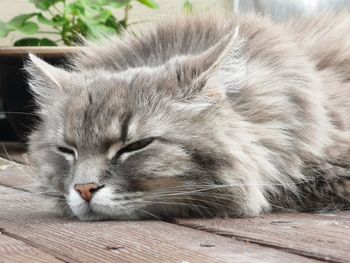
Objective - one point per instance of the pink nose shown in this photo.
(87, 190)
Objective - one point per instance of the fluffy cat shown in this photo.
(201, 116)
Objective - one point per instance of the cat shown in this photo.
(199, 117)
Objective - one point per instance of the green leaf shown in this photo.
(27, 42)
(187, 7)
(29, 28)
(44, 4)
(103, 16)
(75, 8)
(18, 21)
(149, 3)
(58, 20)
(4, 29)
(120, 27)
(114, 3)
(43, 20)
(34, 42)
(111, 22)
(91, 18)
(47, 42)
(96, 31)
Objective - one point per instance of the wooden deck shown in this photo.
(32, 230)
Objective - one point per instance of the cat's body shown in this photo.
(229, 118)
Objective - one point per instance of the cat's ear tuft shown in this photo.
(45, 80)
(220, 69)
(227, 72)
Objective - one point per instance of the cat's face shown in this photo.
(147, 142)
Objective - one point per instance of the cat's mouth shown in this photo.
(104, 205)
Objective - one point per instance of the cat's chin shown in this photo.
(91, 215)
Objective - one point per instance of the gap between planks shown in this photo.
(257, 242)
(325, 237)
(13, 249)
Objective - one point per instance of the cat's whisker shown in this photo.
(204, 194)
(29, 165)
(282, 208)
(148, 213)
(210, 187)
(33, 186)
(18, 113)
(206, 201)
(27, 193)
(169, 203)
(196, 190)
(11, 161)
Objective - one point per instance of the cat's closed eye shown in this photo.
(136, 146)
(68, 151)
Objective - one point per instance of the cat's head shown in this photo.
(142, 143)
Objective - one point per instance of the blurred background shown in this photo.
(280, 10)
(141, 17)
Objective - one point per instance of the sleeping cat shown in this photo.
(201, 116)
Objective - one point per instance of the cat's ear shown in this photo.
(218, 70)
(45, 80)
(227, 72)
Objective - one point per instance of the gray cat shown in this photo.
(199, 117)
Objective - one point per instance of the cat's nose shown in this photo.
(86, 191)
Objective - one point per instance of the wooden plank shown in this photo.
(41, 51)
(13, 250)
(320, 236)
(32, 218)
(18, 176)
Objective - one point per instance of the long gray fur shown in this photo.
(246, 116)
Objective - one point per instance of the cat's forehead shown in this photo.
(93, 116)
(103, 119)
(133, 81)
(90, 128)
(114, 106)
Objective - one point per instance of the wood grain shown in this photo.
(321, 236)
(32, 219)
(13, 250)
(18, 176)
